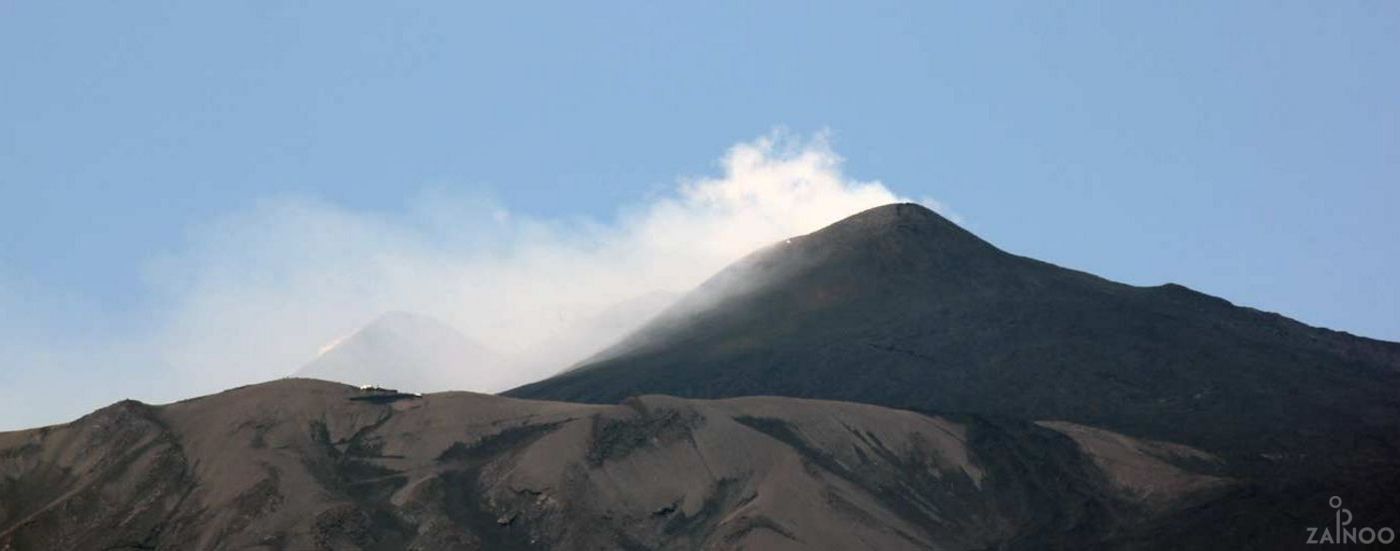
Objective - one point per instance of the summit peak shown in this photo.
(900, 228)
(912, 216)
(895, 213)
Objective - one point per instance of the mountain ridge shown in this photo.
(307, 464)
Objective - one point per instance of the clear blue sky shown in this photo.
(1247, 149)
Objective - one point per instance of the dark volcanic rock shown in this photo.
(900, 307)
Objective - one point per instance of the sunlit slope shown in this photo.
(304, 464)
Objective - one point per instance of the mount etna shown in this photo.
(900, 307)
(888, 382)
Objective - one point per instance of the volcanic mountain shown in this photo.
(408, 351)
(306, 464)
(1009, 404)
(900, 307)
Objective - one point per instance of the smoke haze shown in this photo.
(255, 294)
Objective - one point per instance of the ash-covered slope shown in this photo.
(409, 351)
(900, 307)
(305, 464)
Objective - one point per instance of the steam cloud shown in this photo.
(256, 294)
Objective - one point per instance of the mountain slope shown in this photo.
(408, 351)
(305, 464)
(901, 307)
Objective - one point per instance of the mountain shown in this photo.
(307, 464)
(411, 352)
(888, 382)
(900, 307)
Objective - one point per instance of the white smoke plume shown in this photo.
(255, 294)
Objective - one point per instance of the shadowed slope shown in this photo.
(899, 306)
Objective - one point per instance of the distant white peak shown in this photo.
(404, 350)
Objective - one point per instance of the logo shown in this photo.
(1342, 532)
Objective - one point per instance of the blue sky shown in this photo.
(1250, 150)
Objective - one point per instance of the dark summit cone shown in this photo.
(899, 306)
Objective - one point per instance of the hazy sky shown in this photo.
(162, 160)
